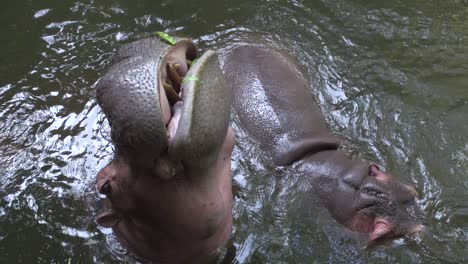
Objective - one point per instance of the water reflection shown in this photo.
(390, 78)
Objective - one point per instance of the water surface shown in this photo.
(391, 78)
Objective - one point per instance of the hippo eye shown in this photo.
(106, 188)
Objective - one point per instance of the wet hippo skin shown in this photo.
(168, 186)
(276, 108)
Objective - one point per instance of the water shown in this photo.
(391, 78)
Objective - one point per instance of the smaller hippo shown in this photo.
(274, 106)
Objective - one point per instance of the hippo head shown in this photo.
(376, 204)
(168, 110)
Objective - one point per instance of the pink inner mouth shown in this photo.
(171, 92)
(376, 227)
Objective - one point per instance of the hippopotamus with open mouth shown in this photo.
(169, 183)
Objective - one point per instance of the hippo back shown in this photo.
(264, 83)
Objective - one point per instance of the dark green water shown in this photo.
(390, 76)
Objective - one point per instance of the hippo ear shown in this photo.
(108, 219)
(374, 170)
(204, 115)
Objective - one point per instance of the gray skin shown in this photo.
(275, 107)
(168, 186)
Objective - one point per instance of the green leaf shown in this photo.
(191, 78)
(194, 61)
(164, 36)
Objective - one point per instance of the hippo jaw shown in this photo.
(199, 125)
(160, 104)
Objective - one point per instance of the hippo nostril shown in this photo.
(106, 188)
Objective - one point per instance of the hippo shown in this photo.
(169, 186)
(275, 107)
(169, 183)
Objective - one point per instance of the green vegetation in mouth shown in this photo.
(164, 36)
(189, 78)
(190, 63)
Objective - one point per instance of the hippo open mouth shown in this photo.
(173, 70)
(159, 101)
